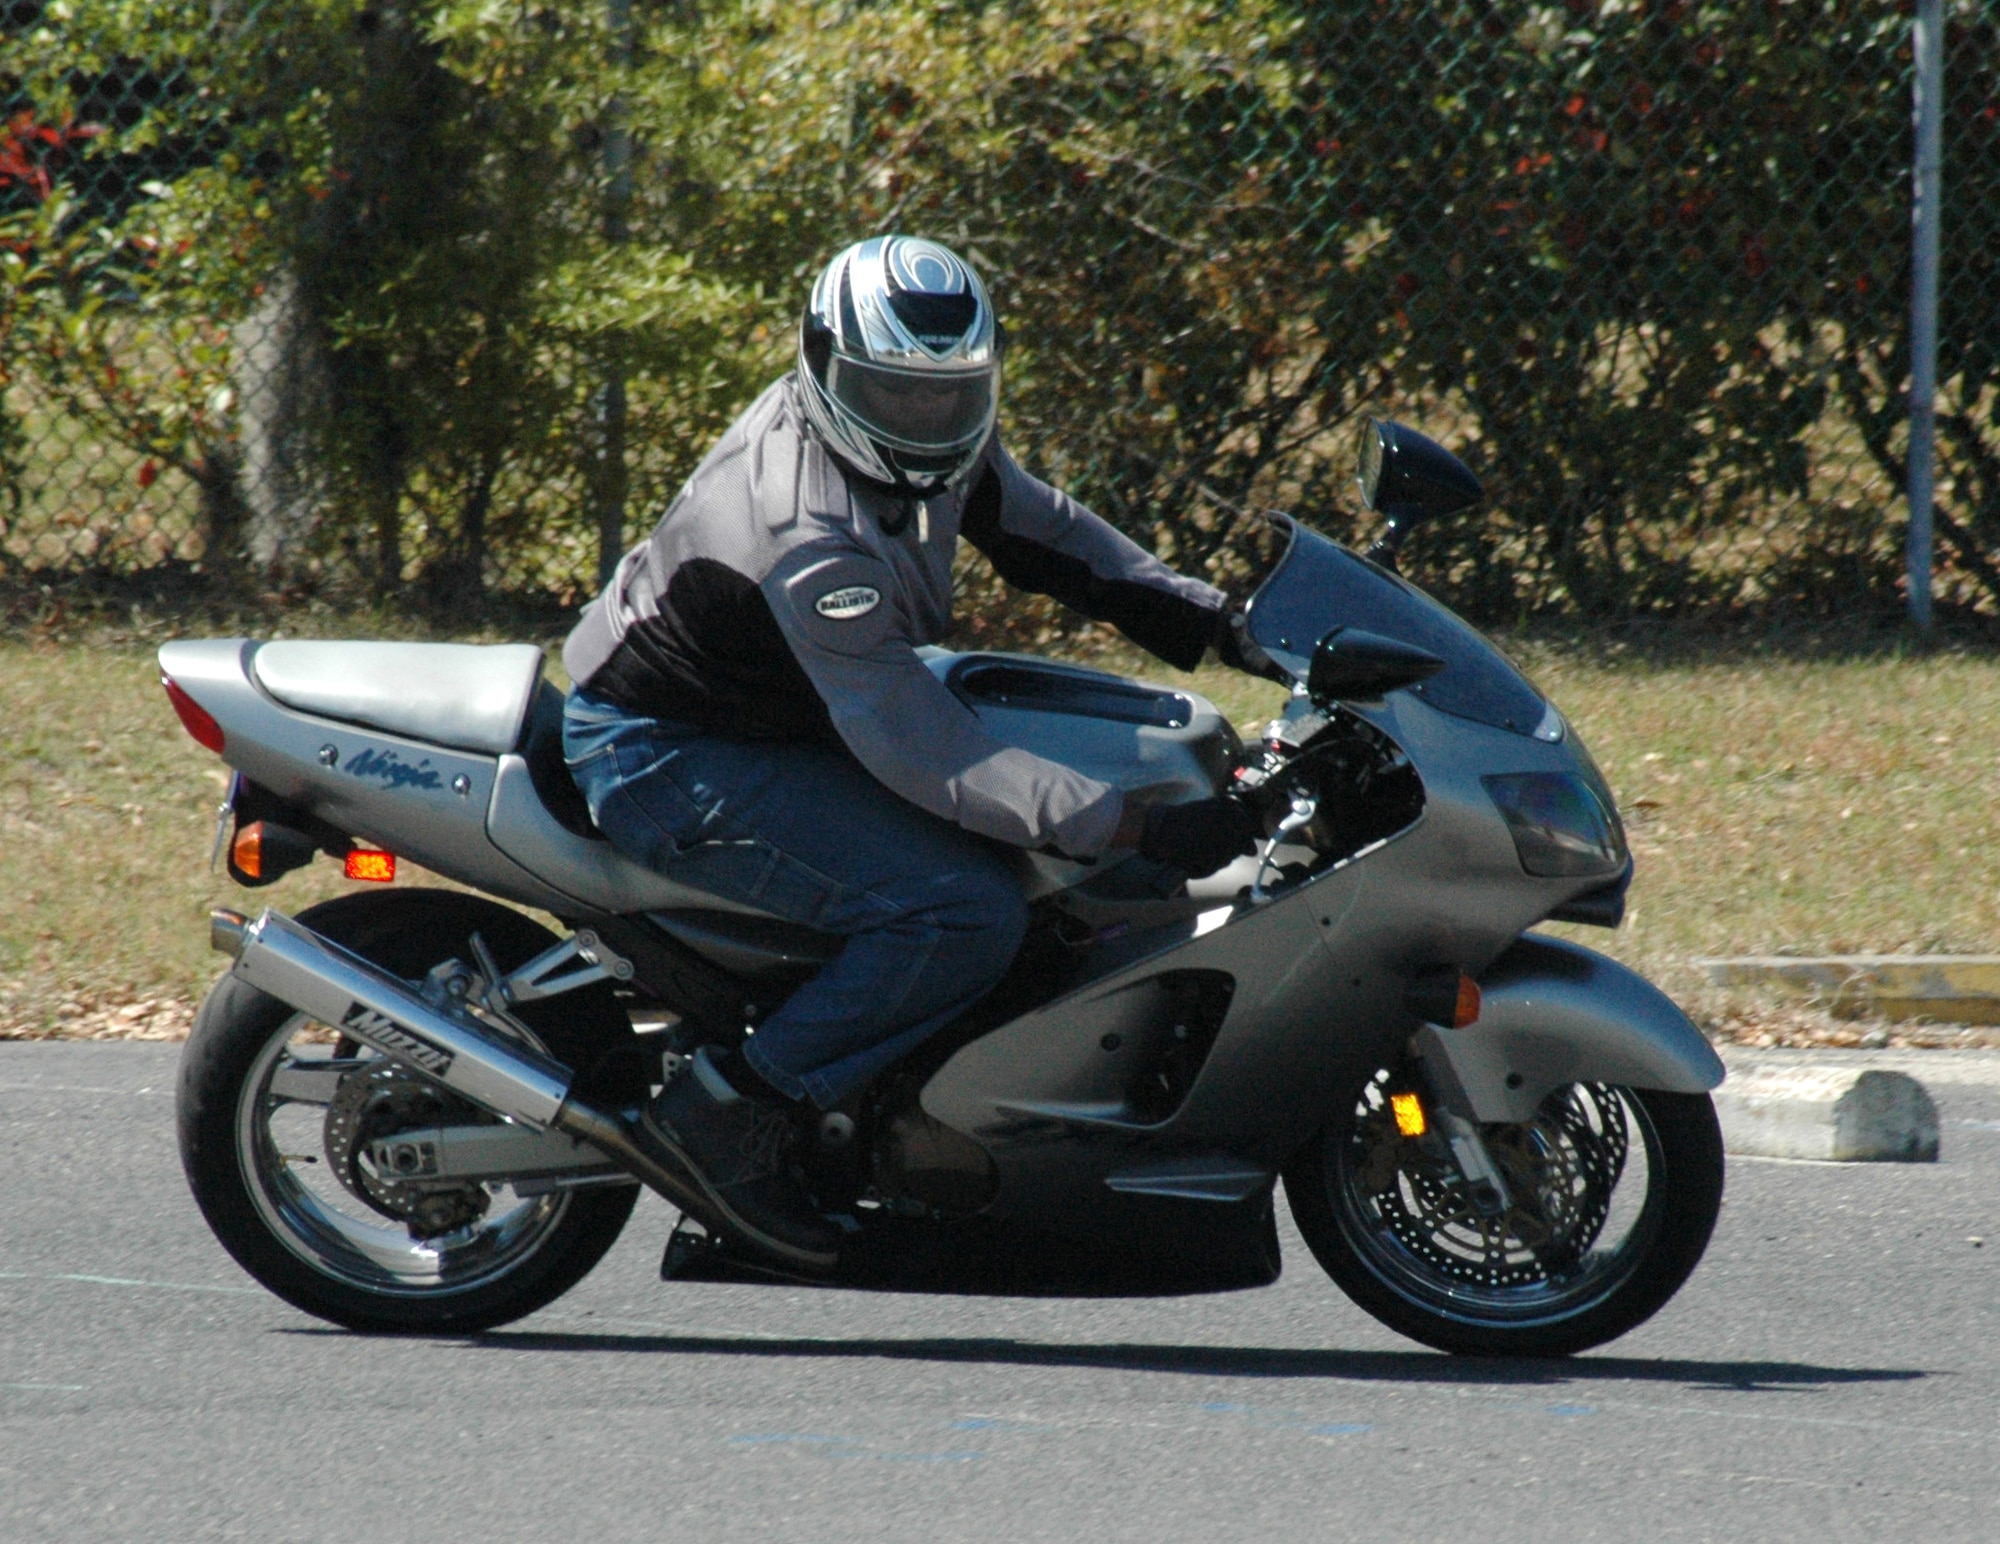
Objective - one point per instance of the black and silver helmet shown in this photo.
(899, 362)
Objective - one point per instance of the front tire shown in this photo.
(269, 1103)
(1611, 1196)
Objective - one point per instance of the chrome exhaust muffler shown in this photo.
(448, 1047)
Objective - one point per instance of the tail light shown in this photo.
(196, 719)
(371, 864)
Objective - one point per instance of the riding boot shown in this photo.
(737, 1148)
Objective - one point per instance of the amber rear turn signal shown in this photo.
(1467, 1010)
(371, 864)
(265, 851)
(247, 851)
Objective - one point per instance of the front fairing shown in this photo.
(1478, 717)
(1319, 585)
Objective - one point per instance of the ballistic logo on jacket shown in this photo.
(390, 1038)
(393, 771)
(857, 600)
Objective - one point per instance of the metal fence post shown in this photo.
(1928, 38)
(611, 479)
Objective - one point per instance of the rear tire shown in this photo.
(1383, 1219)
(269, 1200)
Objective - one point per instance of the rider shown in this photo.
(751, 717)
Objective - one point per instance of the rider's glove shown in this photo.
(1239, 651)
(1199, 838)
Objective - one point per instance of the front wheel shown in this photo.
(277, 1113)
(1605, 1202)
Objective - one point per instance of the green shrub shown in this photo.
(1645, 265)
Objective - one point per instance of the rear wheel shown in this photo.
(1606, 1203)
(277, 1111)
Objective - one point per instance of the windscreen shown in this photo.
(1319, 585)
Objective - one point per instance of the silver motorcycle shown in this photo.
(411, 1109)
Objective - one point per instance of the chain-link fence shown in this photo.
(358, 297)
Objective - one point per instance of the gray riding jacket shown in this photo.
(779, 598)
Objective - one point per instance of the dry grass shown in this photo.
(1777, 803)
(1796, 806)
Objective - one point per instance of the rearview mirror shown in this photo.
(1348, 664)
(1408, 478)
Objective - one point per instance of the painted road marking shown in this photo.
(125, 1281)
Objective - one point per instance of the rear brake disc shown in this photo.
(379, 1101)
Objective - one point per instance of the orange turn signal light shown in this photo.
(1442, 995)
(371, 864)
(264, 851)
(1467, 1010)
(247, 851)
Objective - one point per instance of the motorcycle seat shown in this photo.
(470, 697)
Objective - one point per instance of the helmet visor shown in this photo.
(914, 409)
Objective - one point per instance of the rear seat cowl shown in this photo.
(470, 697)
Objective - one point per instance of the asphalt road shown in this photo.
(1832, 1372)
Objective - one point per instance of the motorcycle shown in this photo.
(411, 1110)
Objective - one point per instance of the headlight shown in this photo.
(1562, 829)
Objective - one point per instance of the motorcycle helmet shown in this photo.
(899, 362)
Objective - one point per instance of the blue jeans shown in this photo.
(932, 915)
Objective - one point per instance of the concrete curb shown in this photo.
(1834, 1114)
(1934, 1069)
(1950, 988)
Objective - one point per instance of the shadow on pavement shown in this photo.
(1233, 1361)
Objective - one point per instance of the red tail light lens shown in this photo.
(370, 864)
(194, 717)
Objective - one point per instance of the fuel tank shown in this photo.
(1174, 743)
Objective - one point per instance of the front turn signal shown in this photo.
(371, 864)
(1443, 995)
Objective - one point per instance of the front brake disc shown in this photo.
(1560, 1168)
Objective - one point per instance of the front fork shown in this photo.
(1482, 1175)
(1436, 1113)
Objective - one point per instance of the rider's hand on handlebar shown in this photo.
(1239, 651)
(1198, 838)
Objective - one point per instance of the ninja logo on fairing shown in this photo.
(387, 1036)
(394, 772)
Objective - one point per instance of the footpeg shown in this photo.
(690, 1248)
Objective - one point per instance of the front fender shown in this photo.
(1553, 1013)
